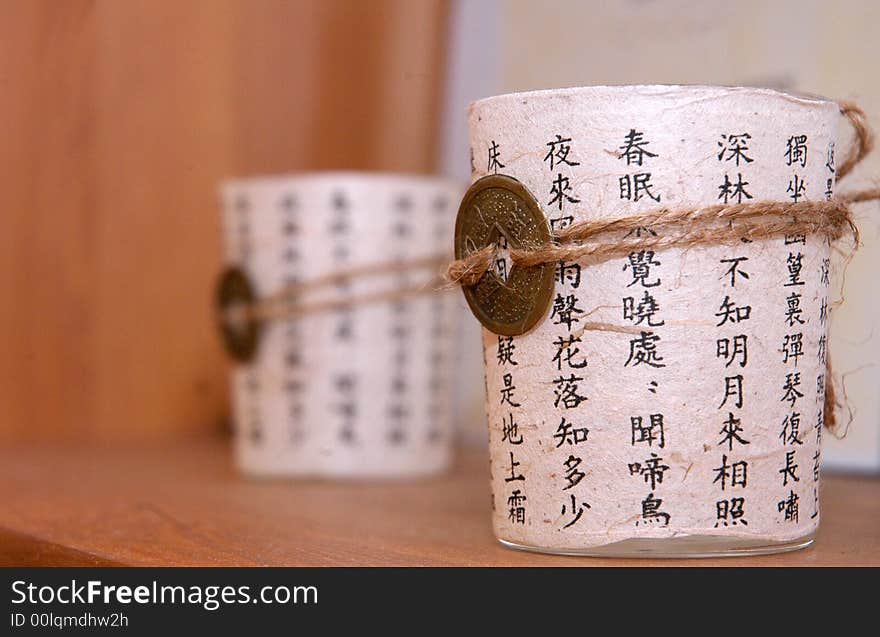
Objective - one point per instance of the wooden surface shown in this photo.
(184, 504)
(118, 120)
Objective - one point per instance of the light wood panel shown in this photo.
(117, 121)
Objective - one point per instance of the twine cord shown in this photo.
(699, 225)
(287, 302)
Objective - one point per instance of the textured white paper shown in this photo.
(608, 152)
(362, 391)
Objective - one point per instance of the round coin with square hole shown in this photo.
(240, 331)
(498, 210)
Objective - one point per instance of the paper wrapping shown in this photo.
(698, 410)
(358, 391)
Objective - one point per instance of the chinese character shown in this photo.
(404, 203)
(639, 232)
(730, 512)
(795, 263)
(566, 434)
(791, 426)
(565, 351)
(733, 190)
(507, 391)
(510, 430)
(502, 253)
(733, 388)
(517, 512)
(790, 388)
(643, 349)
(796, 150)
(825, 272)
(734, 147)
(339, 201)
(564, 309)
(790, 506)
(634, 148)
(645, 309)
(723, 349)
(293, 359)
(344, 382)
(794, 311)
(792, 347)
(734, 270)
(790, 468)
(558, 153)
(736, 473)
(344, 329)
(494, 158)
(822, 352)
(640, 262)
(576, 511)
(288, 203)
(797, 187)
(731, 431)
(634, 187)
(347, 435)
(514, 476)
(566, 392)
(397, 412)
(396, 436)
(651, 470)
(573, 475)
(505, 350)
(559, 191)
(829, 164)
(649, 433)
(730, 312)
(347, 408)
(401, 229)
(559, 223)
(568, 273)
(651, 513)
(290, 228)
(501, 269)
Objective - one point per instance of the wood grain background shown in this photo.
(118, 120)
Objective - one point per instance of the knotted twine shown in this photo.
(698, 225)
(287, 302)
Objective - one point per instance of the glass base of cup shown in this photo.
(688, 546)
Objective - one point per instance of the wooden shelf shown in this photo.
(184, 504)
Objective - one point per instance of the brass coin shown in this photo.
(240, 332)
(498, 209)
